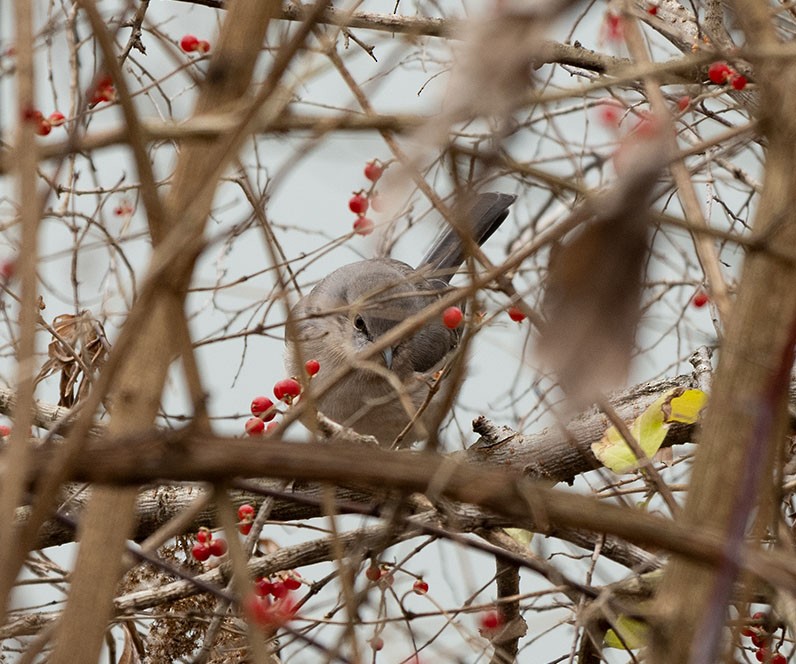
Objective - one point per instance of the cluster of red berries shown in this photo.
(102, 91)
(761, 637)
(452, 316)
(364, 199)
(192, 44)
(271, 604)
(285, 390)
(43, 125)
(721, 73)
(206, 546)
(381, 575)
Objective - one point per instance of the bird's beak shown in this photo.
(387, 355)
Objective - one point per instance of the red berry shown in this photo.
(452, 317)
(683, 103)
(490, 620)
(652, 10)
(189, 43)
(612, 28)
(312, 367)
(778, 658)
(719, 72)
(7, 269)
(760, 616)
(263, 407)
(373, 170)
(218, 547)
(203, 46)
(363, 226)
(738, 81)
(43, 128)
(516, 314)
(279, 590)
(358, 204)
(254, 426)
(245, 528)
(56, 119)
(610, 115)
(373, 572)
(271, 426)
(200, 551)
(700, 299)
(762, 654)
(292, 583)
(287, 389)
(5, 430)
(759, 640)
(32, 115)
(377, 643)
(270, 614)
(204, 536)
(420, 587)
(245, 511)
(263, 587)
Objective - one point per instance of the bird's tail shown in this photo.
(479, 221)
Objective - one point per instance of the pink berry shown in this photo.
(700, 299)
(515, 313)
(189, 43)
(358, 204)
(245, 511)
(719, 72)
(263, 408)
(200, 551)
(218, 547)
(56, 119)
(271, 426)
(683, 103)
(363, 226)
(373, 170)
(254, 426)
(203, 46)
(452, 317)
(377, 643)
(312, 367)
(5, 430)
(420, 587)
(287, 389)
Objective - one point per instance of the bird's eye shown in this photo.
(360, 324)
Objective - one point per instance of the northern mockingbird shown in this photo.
(355, 305)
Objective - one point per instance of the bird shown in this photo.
(357, 304)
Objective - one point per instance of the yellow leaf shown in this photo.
(649, 429)
(634, 634)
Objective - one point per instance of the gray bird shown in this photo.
(355, 305)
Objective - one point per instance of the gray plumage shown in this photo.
(358, 303)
